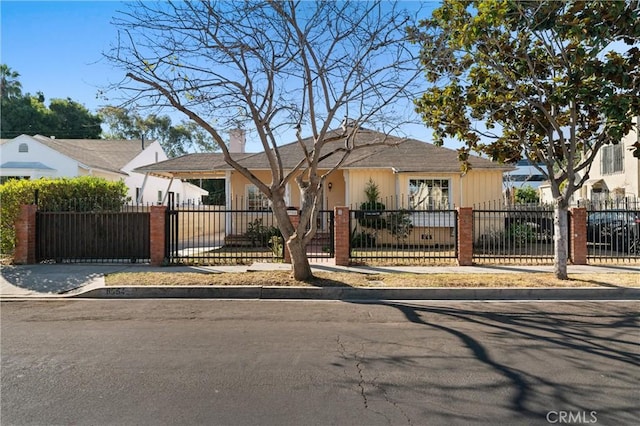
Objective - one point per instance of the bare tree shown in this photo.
(274, 66)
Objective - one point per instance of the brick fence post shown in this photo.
(465, 236)
(25, 250)
(341, 235)
(578, 236)
(157, 231)
(294, 216)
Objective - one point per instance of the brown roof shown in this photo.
(401, 155)
(105, 154)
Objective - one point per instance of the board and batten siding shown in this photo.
(476, 187)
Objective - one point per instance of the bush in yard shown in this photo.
(86, 193)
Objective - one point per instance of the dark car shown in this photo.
(615, 230)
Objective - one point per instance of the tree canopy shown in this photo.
(28, 114)
(176, 140)
(274, 67)
(552, 81)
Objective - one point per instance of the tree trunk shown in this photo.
(560, 238)
(300, 266)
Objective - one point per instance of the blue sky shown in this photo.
(57, 47)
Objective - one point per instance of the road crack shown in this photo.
(358, 359)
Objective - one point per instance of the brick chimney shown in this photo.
(236, 140)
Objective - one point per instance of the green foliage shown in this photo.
(260, 235)
(399, 224)
(371, 191)
(520, 234)
(176, 140)
(64, 118)
(526, 194)
(539, 73)
(85, 193)
(370, 215)
(363, 240)
(27, 114)
(10, 86)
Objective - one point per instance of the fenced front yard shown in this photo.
(211, 235)
(403, 236)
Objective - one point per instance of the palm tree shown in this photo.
(10, 86)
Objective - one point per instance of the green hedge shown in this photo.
(86, 193)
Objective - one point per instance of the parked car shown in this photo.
(615, 230)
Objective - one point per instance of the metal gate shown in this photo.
(321, 246)
(93, 236)
(212, 235)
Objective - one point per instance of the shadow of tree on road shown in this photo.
(603, 347)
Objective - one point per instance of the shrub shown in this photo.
(86, 193)
(399, 224)
(370, 214)
(260, 234)
(520, 234)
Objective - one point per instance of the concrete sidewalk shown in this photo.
(87, 280)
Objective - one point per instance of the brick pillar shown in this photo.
(465, 236)
(578, 236)
(157, 234)
(295, 220)
(341, 235)
(25, 226)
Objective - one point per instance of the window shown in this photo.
(612, 159)
(429, 194)
(256, 200)
(138, 195)
(23, 147)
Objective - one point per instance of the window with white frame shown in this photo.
(612, 159)
(429, 194)
(256, 200)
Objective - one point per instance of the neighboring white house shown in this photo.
(614, 175)
(33, 157)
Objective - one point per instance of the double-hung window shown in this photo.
(429, 194)
(256, 200)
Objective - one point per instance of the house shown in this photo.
(410, 174)
(403, 169)
(614, 175)
(33, 157)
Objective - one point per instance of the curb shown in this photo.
(353, 293)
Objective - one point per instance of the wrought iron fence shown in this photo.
(515, 235)
(208, 235)
(321, 246)
(613, 235)
(403, 236)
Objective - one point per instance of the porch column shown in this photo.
(465, 236)
(157, 235)
(25, 227)
(341, 235)
(578, 236)
(228, 203)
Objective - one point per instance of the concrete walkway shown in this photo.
(87, 280)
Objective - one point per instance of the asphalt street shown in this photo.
(222, 362)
